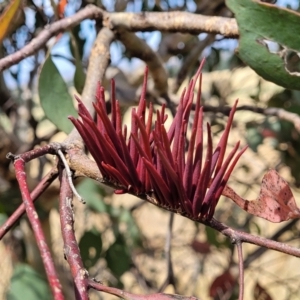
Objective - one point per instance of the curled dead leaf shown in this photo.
(275, 202)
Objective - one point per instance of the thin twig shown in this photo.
(89, 12)
(129, 296)
(54, 283)
(235, 235)
(170, 273)
(71, 249)
(35, 194)
(260, 251)
(239, 246)
(70, 176)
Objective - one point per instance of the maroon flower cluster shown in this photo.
(153, 160)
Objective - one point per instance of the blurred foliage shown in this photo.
(40, 89)
(27, 284)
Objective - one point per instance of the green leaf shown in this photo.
(93, 195)
(79, 77)
(260, 22)
(55, 99)
(27, 284)
(90, 247)
(118, 257)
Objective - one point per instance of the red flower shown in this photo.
(152, 160)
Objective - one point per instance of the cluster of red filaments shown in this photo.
(154, 160)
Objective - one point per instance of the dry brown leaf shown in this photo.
(275, 202)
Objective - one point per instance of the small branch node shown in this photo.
(11, 156)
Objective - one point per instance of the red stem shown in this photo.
(54, 283)
(71, 248)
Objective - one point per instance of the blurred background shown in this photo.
(124, 242)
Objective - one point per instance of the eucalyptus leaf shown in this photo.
(261, 25)
(55, 99)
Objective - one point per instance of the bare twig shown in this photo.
(176, 21)
(35, 194)
(170, 279)
(239, 246)
(128, 296)
(235, 235)
(71, 249)
(89, 12)
(54, 283)
(260, 251)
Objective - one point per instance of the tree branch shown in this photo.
(170, 279)
(146, 21)
(98, 62)
(19, 163)
(89, 12)
(235, 235)
(176, 21)
(71, 249)
(239, 246)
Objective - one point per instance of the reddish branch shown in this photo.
(19, 163)
(71, 249)
(236, 235)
